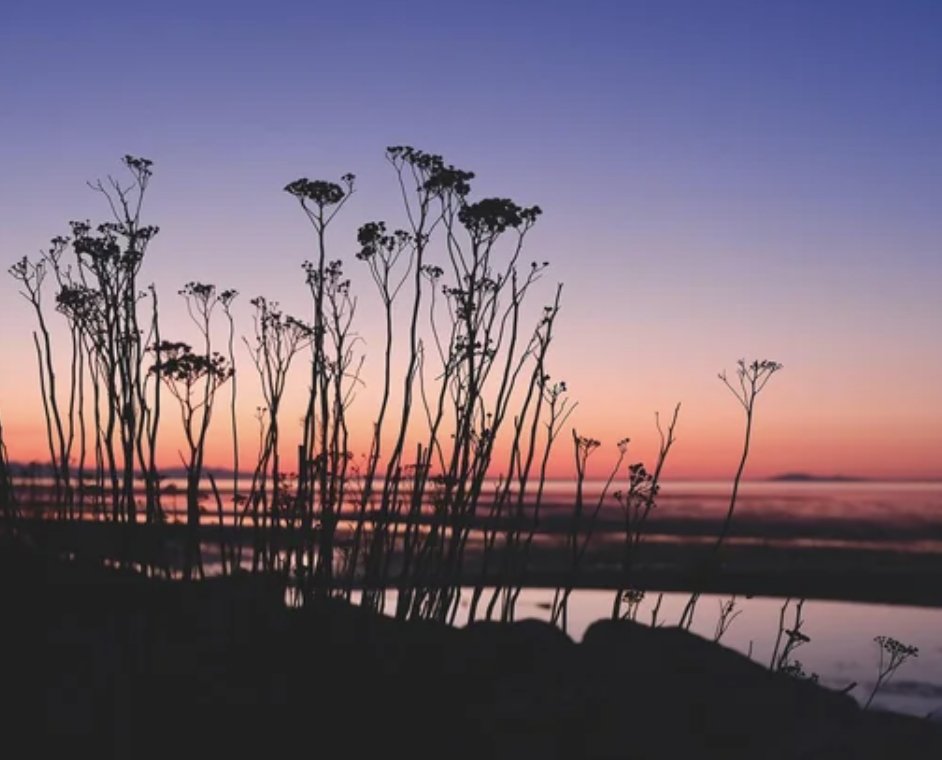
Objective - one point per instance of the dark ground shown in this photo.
(102, 664)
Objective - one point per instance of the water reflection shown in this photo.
(841, 650)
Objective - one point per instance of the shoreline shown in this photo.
(117, 664)
(767, 569)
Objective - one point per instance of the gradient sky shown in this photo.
(719, 180)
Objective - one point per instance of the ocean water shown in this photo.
(901, 506)
(896, 516)
(905, 515)
(889, 502)
(841, 649)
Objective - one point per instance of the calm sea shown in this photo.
(891, 515)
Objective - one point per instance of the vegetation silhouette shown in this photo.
(893, 653)
(413, 514)
(7, 494)
(446, 504)
(751, 379)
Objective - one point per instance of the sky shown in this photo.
(719, 180)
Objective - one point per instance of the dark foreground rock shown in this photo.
(100, 664)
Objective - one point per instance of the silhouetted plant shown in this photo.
(655, 611)
(193, 379)
(323, 455)
(582, 527)
(225, 301)
(559, 408)
(389, 258)
(434, 493)
(728, 613)
(432, 191)
(795, 669)
(7, 494)
(98, 294)
(630, 600)
(751, 378)
(481, 358)
(31, 275)
(277, 340)
(637, 501)
(202, 300)
(787, 640)
(110, 258)
(893, 653)
(508, 510)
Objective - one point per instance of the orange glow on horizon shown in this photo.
(706, 448)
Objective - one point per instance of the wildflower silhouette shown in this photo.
(192, 379)
(750, 379)
(893, 653)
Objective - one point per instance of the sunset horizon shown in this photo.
(849, 438)
(702, 201)
(497, 380)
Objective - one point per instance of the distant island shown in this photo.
(805, 477)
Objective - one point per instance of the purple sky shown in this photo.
(719, 179)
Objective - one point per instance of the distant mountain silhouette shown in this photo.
(805, 477)
(23, 469)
